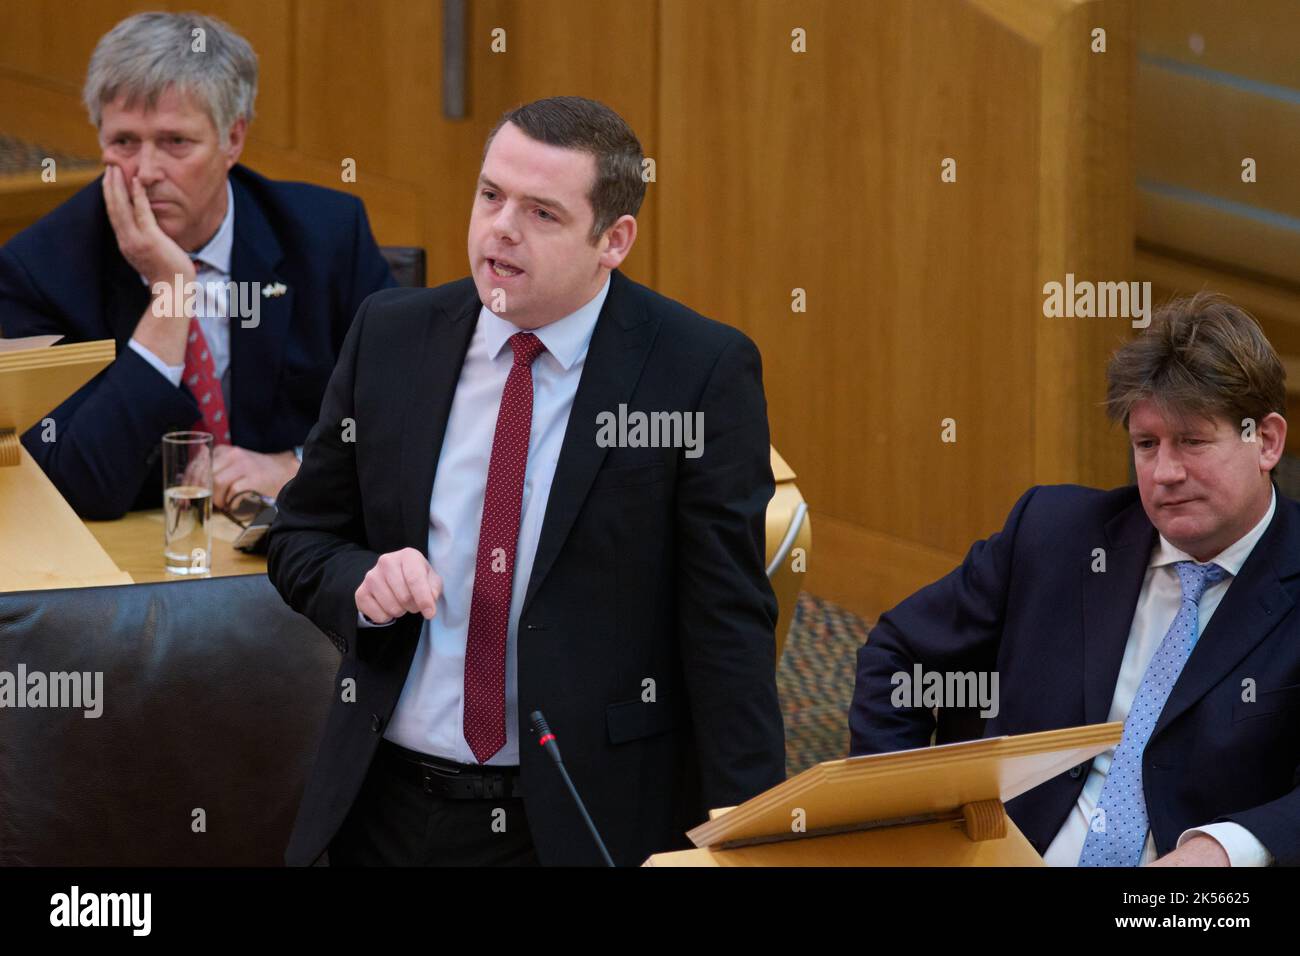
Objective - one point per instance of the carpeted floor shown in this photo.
(815, 681)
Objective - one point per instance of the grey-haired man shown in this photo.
(279, 271)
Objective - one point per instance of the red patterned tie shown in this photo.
(201, 377)
(494, 571)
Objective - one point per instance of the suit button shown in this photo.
(1076, 772)
(376, 722)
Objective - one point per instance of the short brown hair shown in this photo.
(573, 122)
(1202, 356)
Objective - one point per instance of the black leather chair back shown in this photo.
(407, 263)
(214, 696)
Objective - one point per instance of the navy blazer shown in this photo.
(65, 275)
(649, 568)
(1027, 603)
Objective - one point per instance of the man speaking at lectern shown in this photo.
(459, 493)
(1169, 606)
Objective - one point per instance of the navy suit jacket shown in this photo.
(1027, 603)
(65, 275)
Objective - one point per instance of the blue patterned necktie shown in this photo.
(1118, 834)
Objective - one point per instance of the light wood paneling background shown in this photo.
(1218, 83)
(821, 171)
(775, 170)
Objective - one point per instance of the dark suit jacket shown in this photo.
(65, 275)
(650, 565)
(1027, 603)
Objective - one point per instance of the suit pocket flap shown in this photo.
(1267, 702)
(634, 719)
(628, 476)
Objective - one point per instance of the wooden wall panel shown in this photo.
(1277, 307)
(368, 85)
(1255, 38)
(775, 170)
(1217, 83)
(268, 26)
(1196, 133)
(47, 44)
(51, 40)
(821, 171)
(44, 49)
(606, 51)
(1219, 237)
(1085, 225)
(45, 114)
(1192, 143)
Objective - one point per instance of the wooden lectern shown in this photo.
(43, 543)
(937, 806)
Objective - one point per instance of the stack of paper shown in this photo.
(36, 376)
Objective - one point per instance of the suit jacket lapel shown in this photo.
(619, 346)
(1254, 605)
(437, 362)
(256, 343)
(1109, 601)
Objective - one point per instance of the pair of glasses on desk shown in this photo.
(253, 512)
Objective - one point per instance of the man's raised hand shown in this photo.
(401, 582)
(149, 250)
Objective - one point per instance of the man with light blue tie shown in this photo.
(1168, 606)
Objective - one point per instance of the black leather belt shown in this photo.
(446, 778)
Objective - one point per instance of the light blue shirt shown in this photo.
(430, 710)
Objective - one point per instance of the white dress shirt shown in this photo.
(213, 314)
(429, 713)
(1157, 606)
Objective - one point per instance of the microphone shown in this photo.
(546, 740)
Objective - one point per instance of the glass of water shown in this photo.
(187, 502)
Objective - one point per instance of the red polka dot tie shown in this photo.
(201, 376)
(494, 570)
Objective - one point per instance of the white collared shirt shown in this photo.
(429, 714)
(1158, 605)
(213, 314)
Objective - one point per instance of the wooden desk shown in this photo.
(135, 543)
(43, 544)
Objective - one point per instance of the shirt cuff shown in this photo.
(1240, 844)
(363, 621)
(172, 373)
